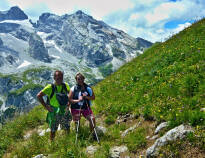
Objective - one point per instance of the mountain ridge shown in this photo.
(72, 43)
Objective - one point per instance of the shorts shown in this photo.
(55, 120)
(64, 121)
(76, 113)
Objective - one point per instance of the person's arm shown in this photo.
(68, 90)
(89, 97)
(70, 96)
(40, 98)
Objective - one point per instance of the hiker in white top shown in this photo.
(80, 97)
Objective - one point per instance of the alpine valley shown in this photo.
(30, 52)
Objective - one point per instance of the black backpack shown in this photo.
(61, 97)
(77, 90)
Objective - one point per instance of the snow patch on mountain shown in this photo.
(24, 24)
(57, 57)
(25, 63)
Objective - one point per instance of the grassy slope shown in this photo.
(166, 83)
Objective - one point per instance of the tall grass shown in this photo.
(165, 83)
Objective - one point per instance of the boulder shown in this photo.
(172, 135)
(101, 130)
(116, 151)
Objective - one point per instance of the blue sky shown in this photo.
(153, 20)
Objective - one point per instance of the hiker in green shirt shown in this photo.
(57, 104)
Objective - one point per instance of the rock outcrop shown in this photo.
(37, 49)
(172, 135)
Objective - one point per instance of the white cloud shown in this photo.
(134, 16)
(139, 18)
(97, 8)
(181, 27)
(149, 22)
(163, 12)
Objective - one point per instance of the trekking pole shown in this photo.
(76, 137)
(93, 124)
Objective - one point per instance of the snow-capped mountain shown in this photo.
(71, 43)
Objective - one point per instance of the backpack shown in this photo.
(77, 90)
(61, 97)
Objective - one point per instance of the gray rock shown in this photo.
(154, 137)
(147, 137)
(161, 126)
(172, 135)
(101, 130)
(124, 118)
(130, 129)
(91, 149)
(40, 156)
(27, 136)
(202, 109)
(37, 49)
(42, 132)
(117, 150)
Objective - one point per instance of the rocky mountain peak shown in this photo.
(46, 17)
(82, 17)
(47, 22)
(79, 12)
(15, 13)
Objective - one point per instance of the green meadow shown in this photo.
(165, 83)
